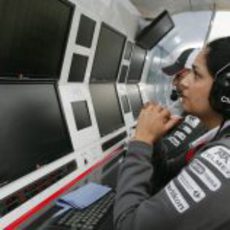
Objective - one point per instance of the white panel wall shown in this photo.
(220, 26)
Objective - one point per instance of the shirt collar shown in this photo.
(208, 135)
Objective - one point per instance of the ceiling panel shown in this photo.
(152, 8)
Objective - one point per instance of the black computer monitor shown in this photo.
(107, 108)
(135, 99)
(128, 50)
(33, 37)
(108, 55)
(78, 68)
(33, 130)
(136, 65)
(155, 31)
(125, 104)
(81, 114)
(123, 73)
(85, 31)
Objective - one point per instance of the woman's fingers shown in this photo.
(165, 114)
(146, 105)
(172, 122)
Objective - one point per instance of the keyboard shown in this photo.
(87, 219)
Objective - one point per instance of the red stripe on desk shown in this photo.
(23, 218)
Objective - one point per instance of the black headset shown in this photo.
(220, 92)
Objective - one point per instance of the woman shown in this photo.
(198, 197)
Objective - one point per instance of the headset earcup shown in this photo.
(220, 88)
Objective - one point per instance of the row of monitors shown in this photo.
(34, 46)
(33, 131)
(132, 73)
(107, 59)
(107, 107)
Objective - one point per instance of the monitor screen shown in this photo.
(108, 55)
(85, 31)
(33, 37)
(123, 74)
(107, 108)
(128, 50)
(136, 65)
(135, 99)
(78, 68)
(125, 104)
(155, 31)
(81, 114)
(33, 130)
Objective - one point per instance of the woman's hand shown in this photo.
(153, 122)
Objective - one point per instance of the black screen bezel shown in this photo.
(54, 83)
(95, 79)
(61, 58)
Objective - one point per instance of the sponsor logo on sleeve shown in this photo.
(174, 141)
(205, 175)
(180, 135)
(176, 197)
(187, 129)
(219, 157)
(191, 187)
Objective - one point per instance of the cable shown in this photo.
(219, 130)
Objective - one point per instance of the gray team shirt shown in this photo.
(197, 198)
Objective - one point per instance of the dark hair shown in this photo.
(218, 65)
(218, 54)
